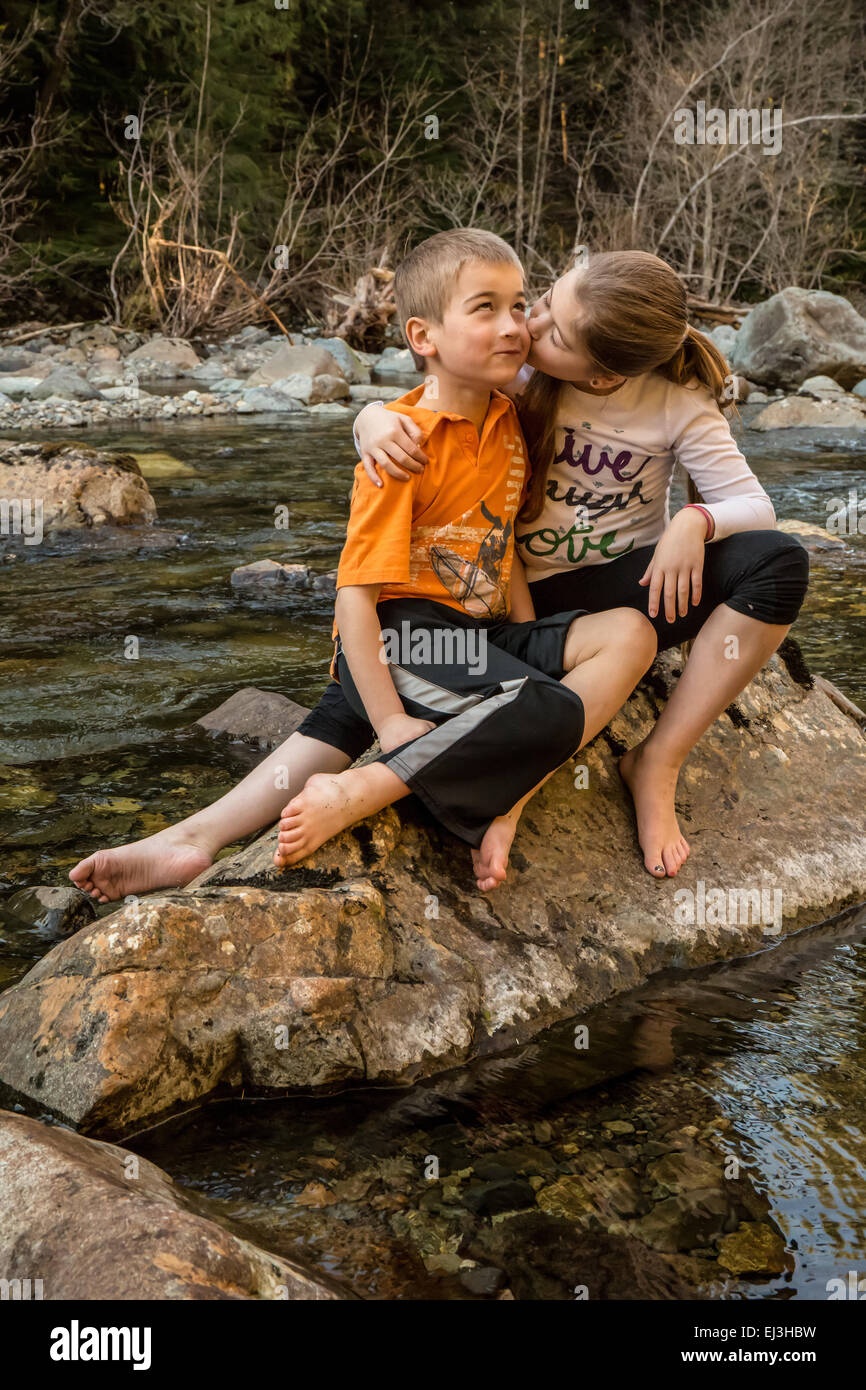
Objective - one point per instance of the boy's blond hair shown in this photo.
(424, 282)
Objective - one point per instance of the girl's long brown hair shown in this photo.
(631, 315)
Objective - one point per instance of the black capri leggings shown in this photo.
(763, 574)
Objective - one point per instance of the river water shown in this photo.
(760, 1064)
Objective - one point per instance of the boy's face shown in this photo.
(483, 338)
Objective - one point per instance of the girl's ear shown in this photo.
(417, 333)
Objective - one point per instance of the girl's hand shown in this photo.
(390, 440)
(401, 728)
(677, 564)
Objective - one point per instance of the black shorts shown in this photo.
(539, 644)
(763, 574)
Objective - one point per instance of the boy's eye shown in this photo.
(487, 304)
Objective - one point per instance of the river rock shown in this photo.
(16, 387)
(312, 390)
(164, 357)
(377, 959)
(52, 911)
(802, 412)
(395, 360)
(813, 537)
(289, 361)
(268, 573)
(255, 716)
(67, 384)
(78, 486)
(754, 1248)
(800, 333)
(94, 1222)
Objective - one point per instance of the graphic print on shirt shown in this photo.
(590, 504)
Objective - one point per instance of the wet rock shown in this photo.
(802, 412)
(270, 573)
(255, 716)
(799, 333)
(545, 1257)
(482, 1280)
(53, 911)
(484, 1199)
(754, 1248)
(367, 954)
(325, 583)
(76, 486)
(164, 357)
(94, 1222)
(813, 537)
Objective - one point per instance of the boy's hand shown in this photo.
(401, 728)
(677, 564)
(390, 440)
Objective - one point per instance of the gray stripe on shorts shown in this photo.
(434, 697)
(423, 750)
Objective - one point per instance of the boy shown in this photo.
(474, 703)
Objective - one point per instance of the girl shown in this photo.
(622, 387)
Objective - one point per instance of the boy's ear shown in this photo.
(417, 332)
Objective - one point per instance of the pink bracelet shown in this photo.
(711, 525)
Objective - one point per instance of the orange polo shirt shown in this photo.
(448, 533)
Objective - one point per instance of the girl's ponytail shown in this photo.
(698, 358)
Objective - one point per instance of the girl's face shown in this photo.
(556, 347)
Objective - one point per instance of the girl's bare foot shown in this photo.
(653, 787)
(331, 802)
(490, 859)
(161, 861)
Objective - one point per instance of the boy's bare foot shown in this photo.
(490, 859)
(329, 803)
(163, 860)
(653, 788)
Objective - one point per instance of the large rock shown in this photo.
(77, 486)
(802, 412)
(93, 1222)
(255, 716)
(798, 334)
(289, 361)
(378, 960)
(164, 357)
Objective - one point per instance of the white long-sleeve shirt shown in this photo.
(608, 488)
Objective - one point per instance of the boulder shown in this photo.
(255, 716)
(353, 369)
(379, 392)
(820, 386)
(16, 387)
(76, 485)
(803, 412)
(377, 960)
(93, 1222)
(164, 357)
(288, 361)
(310, 390)
(802, 333)
(67, 384)
(724, 336)
(92, 335)
(859, 389)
